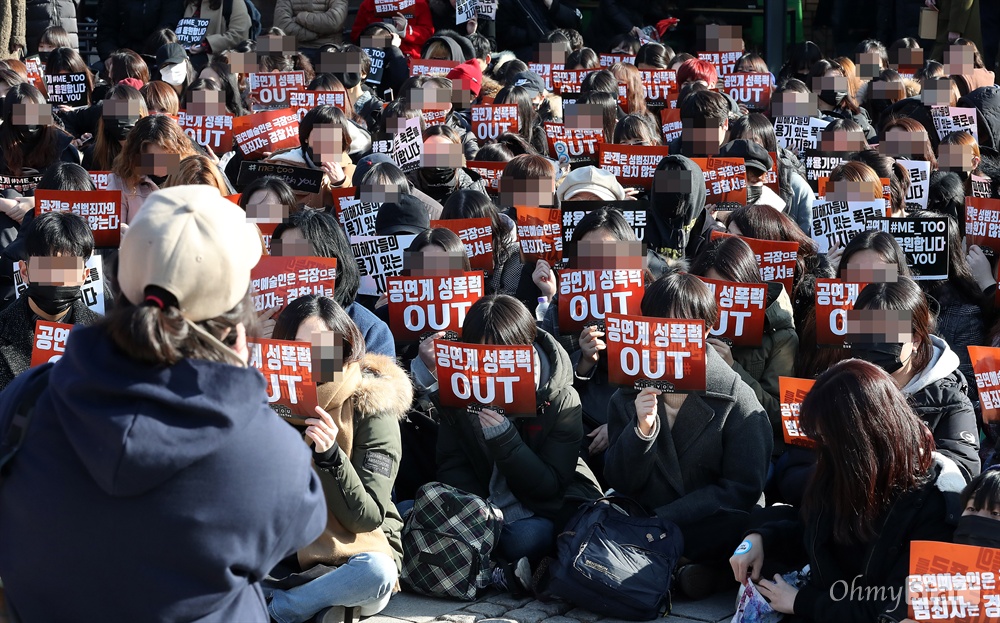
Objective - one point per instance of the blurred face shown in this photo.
(867, 266)
(327, 348)
(54, 271)
(600, 249)
(291, 243)
(441, 153)
(157, 162)
(265, 207)
(433, 261)
(326, 142)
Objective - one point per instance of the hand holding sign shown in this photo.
(545, 279)
(322, 431)
(645, 409)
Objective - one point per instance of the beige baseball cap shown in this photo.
(193, 243)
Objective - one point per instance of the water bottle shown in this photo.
(543, 306)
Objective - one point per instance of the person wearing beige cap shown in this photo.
(590, 184)
(151, 451)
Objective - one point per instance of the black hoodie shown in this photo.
(676, 219)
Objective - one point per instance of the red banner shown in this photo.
(771, 177)
(476, 235)
(671, 125)
(658, 85)
(271, 90)
(742, 307)
(573, 145)
(982, 223)
(750, 89)
(277, 281)
(212, 131)
(725, 180)
(491, 172)
(419, 305)
(49, 342)
(489, 121)
(986, 365)
(270, 130)
(586, 296)
(834, 298)
(568, 81)
(791, 392)
(725, 62)
(667, 353)
(954, 583)
(36, 72)
(544, 71)
(102, 209)
(633, 165)
(607, 60)
(304, 101)
(429, 67)
(391, 7)
(287, 370)
(539, 230)
(775, 259)
(501, 378)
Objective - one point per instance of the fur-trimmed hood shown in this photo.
(385, 388)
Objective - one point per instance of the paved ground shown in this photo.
(501, 608)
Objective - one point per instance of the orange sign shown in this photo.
(982, 223)
(501, 378)
(102, 209)
(419, 305)
(666, 353)
(633, 165)
(569, 146)
(658, 85)
(567, 81)
(986, 365)
(725, 62)
(429, 67)
(791, 392)
(671, 125)
(269, 130)
(212, 131)
(954, 583)
(287, 370)
(742, 307)
(725, 180)
(775, 259)
(539, 231)
(304, 101)
(771, 177)
(271, 90)
(49, 342)
(489, 121)
(607, 60)
(586, 296)
(750, 89)
(277, 281)
(476, 235)
(490, 172)
(834, 298)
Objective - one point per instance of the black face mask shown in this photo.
(978, 531)
(44, 56)
(831, 97)
(753, 193)
(28, 132)
(884, 355)
(438, 176)
(119, 127)
(53, 300)
(158, 179)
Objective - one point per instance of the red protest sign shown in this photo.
(725, 62)
(658, 84)
(725, 179)
(834, 298)
(607, 60)
(586, 296)
(266, 233)
(277, 281)
(476, 235)
(391, 7)
(742, 307)
(771, 177)
(986, 366)
(420, 305)
(750, 89)
(49, 342)
(671, 125)
(568, 81)
(669, 352)
(572, 146)
(791, 392)
(304, 101)
(954, 583)
(539, 230)
(486, 375)
(102, 179)
(490, 172)
(633, 165)
(431, 67)
(776, 259)
(36, 73)
(271, 90)
(235, 198)
(544, 71)
(982, 223)
(102, 209)
(269, 130)
(212, 131)
(287, 370)
(489, 121)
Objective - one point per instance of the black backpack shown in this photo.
(255, 26)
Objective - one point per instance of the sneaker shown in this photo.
(514, 578)
(699, 581)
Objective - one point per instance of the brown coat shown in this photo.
(313, 23)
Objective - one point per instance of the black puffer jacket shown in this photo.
(44, 13)
(986, 101)
(522, 24)
(128, 23)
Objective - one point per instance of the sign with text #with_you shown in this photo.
(102, 209)
(948, 119)
(981, 186)
(658, 84)
(753, 90)
(357, 217)
(477, 236)
(920, 182)
(986, 366)
(269, 130)
(925, 242)
(391, 7)
(667, 353)
(378, 258)
(834, 298)
(837, 222)
(607, 60)
(464, 11)
(212, 131)
(490, 172)
(634, 212)
(67, 89)
(586, 296)
(953, 583)
(288, 378)
(798, 134)
(271, 90)
(671, 125)
(299, 179)
(573, 146)
(725, 179)
(304, 101)
(742, 307)
(544, 71)
(725, 62)
(277, 281)
(191, 30)
(633, 165)
(982, 224)
(776, 259)
(501, 378)
(819, 164)
(487, 9)
(101, 179)
(49, 342)
(791, 393)
(421, 305)
(491, 120)
(539, 232)
(568, 81)
(377, 56)
(431, 67)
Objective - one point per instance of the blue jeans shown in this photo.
(365, 582)
(532, 537)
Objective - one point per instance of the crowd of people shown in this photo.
(149, 457)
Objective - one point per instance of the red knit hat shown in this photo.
(470, 75)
